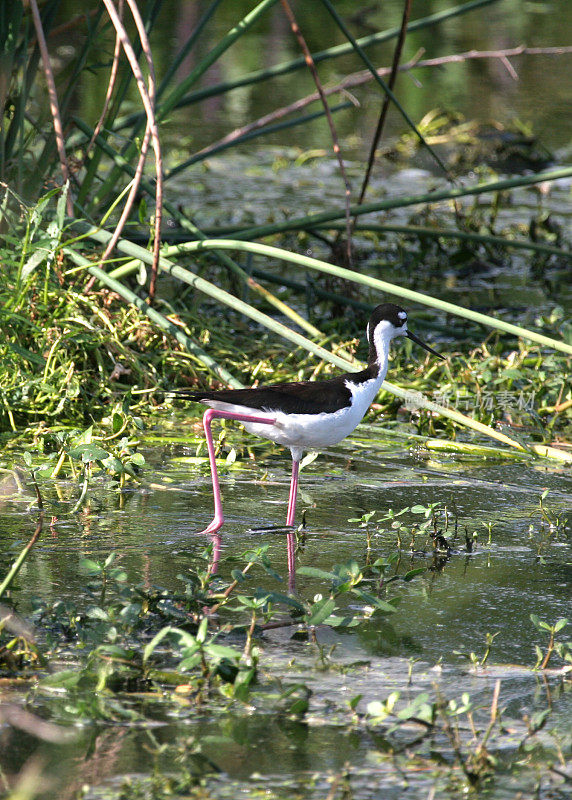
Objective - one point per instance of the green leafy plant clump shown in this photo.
(67, 355)
(126, 636)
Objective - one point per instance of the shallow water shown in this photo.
(451, 607)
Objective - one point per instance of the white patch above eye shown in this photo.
(402, 315)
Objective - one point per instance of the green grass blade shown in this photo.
(367, 61)
(229, 39)
(453, 233)
(375, 283)
(136, 251)
(208, 288)
(189, 344)
(318, 220)
(187, 224)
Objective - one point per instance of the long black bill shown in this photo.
(418, 341)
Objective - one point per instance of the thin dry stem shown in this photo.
(336, 147)
(148, 99)
(110, 85)
(54, 105)
(386, 100)
(359, 78)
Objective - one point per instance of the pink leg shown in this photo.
(293, 493)
(291, 537)
(209, 415)
(291, 544)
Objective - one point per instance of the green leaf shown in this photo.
(94, 612)
(88, 452)
(64, 679)
(89, 567)
(412, 573)
(219, 651)
(335, 621)
(309, 458)
(353, 703)
(242, 683)
(190, 661)
(299, 706)
(202, 631)
(115, 651)
(61, 206)
(321, 611)
(278, 597)
(113, 465)
(561, 623)
(155, 641)
(376, 602)
(314, 572)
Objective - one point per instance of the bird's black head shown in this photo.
(388, 312)
(386, 322)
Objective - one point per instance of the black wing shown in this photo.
(303, 397)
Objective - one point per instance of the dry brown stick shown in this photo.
(136, 180)
(359, 78)
(146, 45)
(336, 147)
(386, 100)
(97, 129)
(110, 85)
(54, 105)
(148, 99)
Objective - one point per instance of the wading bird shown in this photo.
(306, 415)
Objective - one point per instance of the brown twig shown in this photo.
(336, 147)
(148, 99)
(136, 181)
(359, 78)
(110, 85)
(386, 100)
(54, 105)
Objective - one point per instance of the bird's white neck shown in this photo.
(379, 348)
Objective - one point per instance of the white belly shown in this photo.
(309, 431)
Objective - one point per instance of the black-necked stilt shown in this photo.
(307, 415)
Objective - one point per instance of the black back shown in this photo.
(301, 397)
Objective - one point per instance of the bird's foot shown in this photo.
(214, 526)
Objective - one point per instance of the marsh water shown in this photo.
(523, 568)
(519, 562)
(519, 565)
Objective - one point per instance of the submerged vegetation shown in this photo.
(116, 288)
